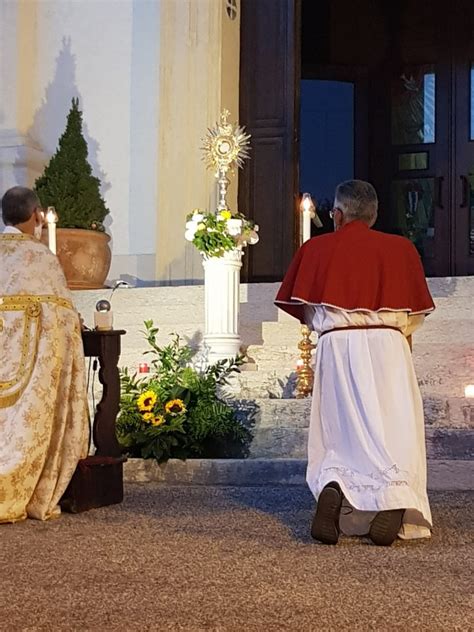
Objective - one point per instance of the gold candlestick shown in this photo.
(304, 383)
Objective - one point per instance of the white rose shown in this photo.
(189, 235)
(198, 217)
(191, 225)
(234, 226)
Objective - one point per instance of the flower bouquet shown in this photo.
(176, 410)
(215, 234)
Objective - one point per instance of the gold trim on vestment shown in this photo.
(17, 237)
(22, 300)
(31, 305)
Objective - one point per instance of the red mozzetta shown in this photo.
(356, 269)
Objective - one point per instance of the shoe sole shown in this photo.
(325, 523)
(385, 527)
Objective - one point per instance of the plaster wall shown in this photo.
(106, 52)
(151, 76)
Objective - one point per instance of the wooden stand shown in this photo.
(98, 479)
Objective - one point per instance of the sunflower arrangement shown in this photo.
(176, 411)
(215, 234)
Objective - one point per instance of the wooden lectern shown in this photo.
(98, 479)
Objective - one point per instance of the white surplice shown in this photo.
(367, 427)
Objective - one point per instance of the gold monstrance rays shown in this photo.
(225, 146)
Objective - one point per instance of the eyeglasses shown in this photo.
(331, 213)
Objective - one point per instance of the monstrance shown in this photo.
(225, 147)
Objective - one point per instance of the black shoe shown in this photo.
(325, 527)
(385, 527)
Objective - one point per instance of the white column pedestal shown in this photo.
(222, 303)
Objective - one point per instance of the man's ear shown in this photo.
(39, 215)
(338, 218)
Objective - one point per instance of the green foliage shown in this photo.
(176, 411)
(67, 182)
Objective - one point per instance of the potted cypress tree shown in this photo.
(67, 184)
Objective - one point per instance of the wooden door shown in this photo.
(410, 132)
(422, 124)
(463, 139)
(269, 80)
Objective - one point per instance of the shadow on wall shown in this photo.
(49, 121)
(180, 264)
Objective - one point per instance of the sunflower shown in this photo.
(148, 417)
(146, 401)
(175, 407)
(158, 420)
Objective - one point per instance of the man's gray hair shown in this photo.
(357, 199)
(18, 205)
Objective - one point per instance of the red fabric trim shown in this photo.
(356, 269)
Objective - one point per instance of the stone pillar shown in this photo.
(222, 301)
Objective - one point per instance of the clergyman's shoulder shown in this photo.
(320, 240)
(391, 240)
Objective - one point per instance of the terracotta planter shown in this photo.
(84, 256)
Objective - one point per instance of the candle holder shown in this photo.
(305, 379)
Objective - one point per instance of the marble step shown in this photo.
(280, 427)
(443, 475)
(291, 442)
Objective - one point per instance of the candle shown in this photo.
(469, 391)
(143, 367)
(51, 219)
(307, 209)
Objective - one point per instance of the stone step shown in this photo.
(280, 427)
(291, 442)
(443, 475)
(453, 412)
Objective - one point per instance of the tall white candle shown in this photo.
(306, 225)
(51, 219)
(307, 208)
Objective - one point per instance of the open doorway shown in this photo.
(326, 141)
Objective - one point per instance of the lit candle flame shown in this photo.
(469, 390)
(51, 215)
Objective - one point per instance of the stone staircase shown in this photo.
(443, 354)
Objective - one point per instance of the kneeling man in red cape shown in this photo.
(364, 292)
